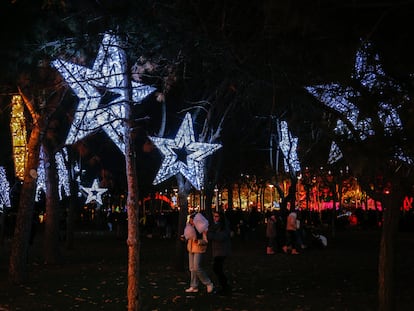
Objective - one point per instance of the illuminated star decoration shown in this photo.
(288, 145)
(4, 191)
(103, 92)
(61, 171)
(369, 73)
(183, 155)
(94, 193)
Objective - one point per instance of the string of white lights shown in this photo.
(4, 190)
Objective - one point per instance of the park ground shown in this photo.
(343, 276)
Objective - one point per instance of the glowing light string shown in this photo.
(183, 155)
(62, 172)
(288, 144)
(369, 74)
(4, 191)
(18, 131)
(94, 193)
(335, 154)
(107, 79)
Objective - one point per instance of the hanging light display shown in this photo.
(369, 74)
(62, 172)
(107, 80)
(335, 154)
(4, 190)
(18, 131)
(288, 144)
(94, 193)
(183, 155)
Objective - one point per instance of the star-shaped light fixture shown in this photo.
(183, 155)
(107, 79)
(370, 75)
(288, 144)
(94, 193)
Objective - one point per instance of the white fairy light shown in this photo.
(370, 74)
(288, 144)
(94, 193)
(5, 190)
(63, 176)
(340, 99)
(109, 73)
(61, 158)
(41, 175)
(335, 154)
(192, 165)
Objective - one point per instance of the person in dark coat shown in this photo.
(219, 236)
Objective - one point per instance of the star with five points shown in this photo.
(94, 193)
(108, 74)
(183, 155)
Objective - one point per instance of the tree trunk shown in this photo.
(51, 238)
(133, 241)
(20, 246)
(72, 204)
(184, 188)
(386, 265)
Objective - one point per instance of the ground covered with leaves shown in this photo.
(93, 276)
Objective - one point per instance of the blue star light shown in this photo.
(107, 78)
(94, 193)
(183, 155)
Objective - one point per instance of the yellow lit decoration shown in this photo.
(18, 131)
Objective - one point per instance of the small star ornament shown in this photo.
(183, 155)
(94, 193)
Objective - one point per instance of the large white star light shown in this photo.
(183, 155)
(369, 73)
(288, 144)
(106, 81)
(94, 193)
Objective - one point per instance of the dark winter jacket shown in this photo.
(218, 236)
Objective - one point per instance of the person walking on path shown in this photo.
(196, 247)
(291, 237)
(219, 236)
(271, 234)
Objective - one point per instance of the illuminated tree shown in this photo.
(376, 147)
(110, 73)
(18, 129)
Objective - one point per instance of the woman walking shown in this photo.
(196, 246)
